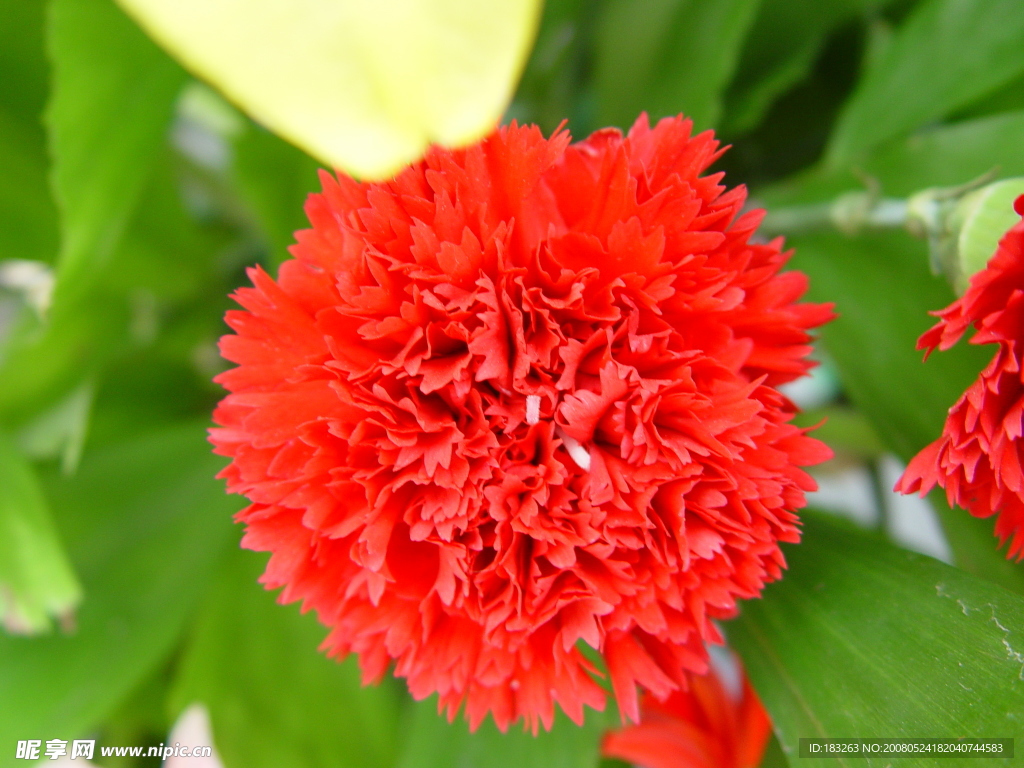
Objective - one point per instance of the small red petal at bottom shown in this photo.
(705, 726)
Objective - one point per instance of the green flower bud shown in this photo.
(980, 220)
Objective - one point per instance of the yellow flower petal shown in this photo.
(364, 85)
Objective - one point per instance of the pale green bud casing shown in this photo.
(981, 219)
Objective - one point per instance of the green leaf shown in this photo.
(945, 55)
(274, 179)
(274, 699)
(36, 579)
(113, 95)
(863, 639)
(974, 546)
(113, 98)
(883, 291)
(556, 83)
(774, 757)
(60, 432)
(784, 41)
(943, 156)
(1008, 98)
(45, 364)
(166, 251)
(167, 270)
(363, 86)
(140, 718)
(28, 219)
(144, 522)
(674, 56)
(433, 742)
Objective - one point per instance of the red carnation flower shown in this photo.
(518, 397)
(979, 457)
(706, 726)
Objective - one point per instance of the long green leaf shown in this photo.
(144, 522)
(275, 701)
(144, 339)
(36, 579)
(110, 108)
(666, 57)
(784, 40)
(942, 156)
(1007, 98)
(28, 220)
(113, 97)
(863, 639)
(944, 56)
(167, 269)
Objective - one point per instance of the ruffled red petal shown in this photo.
(703, 726)
(978, 459)
(519, 398)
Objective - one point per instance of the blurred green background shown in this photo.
(140, 196)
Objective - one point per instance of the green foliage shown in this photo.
(881, 285)
(556, 85)
(36, 580)
(973, 546)
(148, 196)
(274, 178)
(780, 50)
(143, 543)
(274, 700)
(28, 220)
(843, 429)
(111, 101)
(863, 638)
(113, 94)
(646, 58)
(432, 742)
(947, 54)
(883, 292)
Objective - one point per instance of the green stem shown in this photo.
(849, 213)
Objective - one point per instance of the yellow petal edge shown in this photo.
(362, 85)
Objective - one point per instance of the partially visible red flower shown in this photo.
(979, 457)
(521, 396)
(706, 726)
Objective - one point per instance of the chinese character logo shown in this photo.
(82, 749)
(29, 750)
